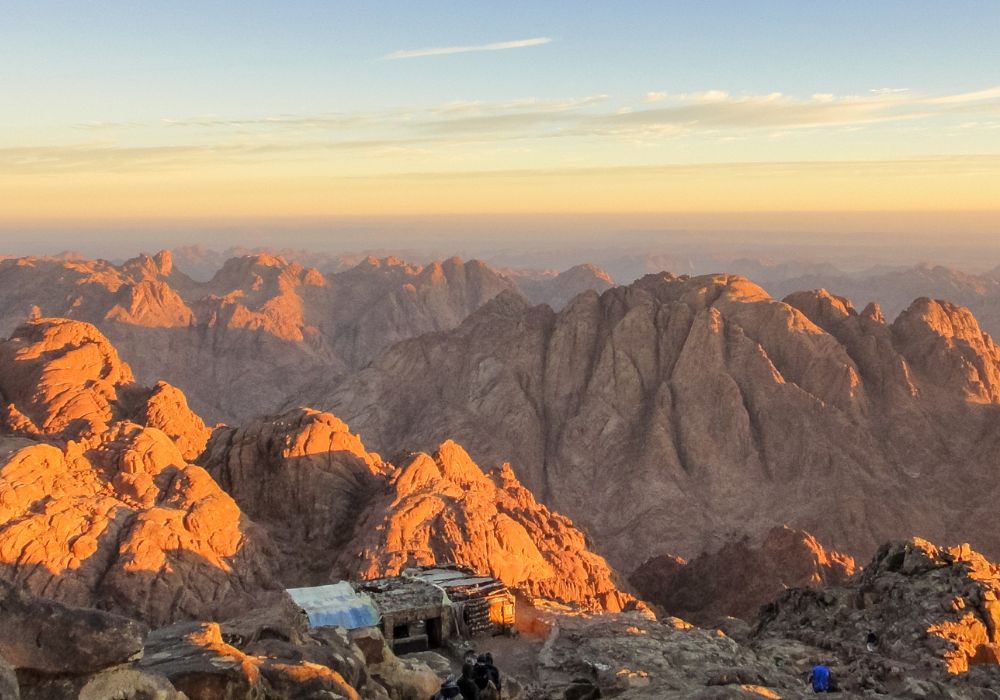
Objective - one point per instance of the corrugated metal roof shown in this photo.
(398, 593)
(450, 577)
(336, 604)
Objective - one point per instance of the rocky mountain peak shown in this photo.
(60, 377)
(144, 266)
(445, 509)
(456, 465)
(873, 312)
(821, 307)
(945, 344)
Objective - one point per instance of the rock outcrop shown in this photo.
(46, 637)
(99, 510)
(934, 612)
(199, 663)
(306, 477)
(739, 577)
(678, 410)
(60, 378)
(632, 656)
(62, 653)
(443, 508)
(338, 510)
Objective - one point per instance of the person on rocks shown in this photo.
(481, 673)
(467, 683)
(871, 641)
(492, 671)
(820, 678)
(487, 677)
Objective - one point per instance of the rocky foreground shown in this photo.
(934, 612)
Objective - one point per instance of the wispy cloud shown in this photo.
(293, 121)
(965, 97)
(460, 132)
(445, 50)
(721, 113)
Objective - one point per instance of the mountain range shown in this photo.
(690, 443)
(239, 342)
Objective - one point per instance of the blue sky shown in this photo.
(146, 59)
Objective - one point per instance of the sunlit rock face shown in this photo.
(739, 577)
(337, 510)
(99, 505)
(667, 415)
(442, 507)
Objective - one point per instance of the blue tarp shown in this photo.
(337, 604)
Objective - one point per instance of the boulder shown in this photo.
(406, 679)
(196, 660)
(263, 655)
(120, 683)
(44, 636)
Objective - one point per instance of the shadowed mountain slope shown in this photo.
(665, 415)
(739, 577)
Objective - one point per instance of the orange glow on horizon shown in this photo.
(962, 184)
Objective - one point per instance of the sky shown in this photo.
(671, 113)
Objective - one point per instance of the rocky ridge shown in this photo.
(895, 288)
(339, 511)
(443, 508)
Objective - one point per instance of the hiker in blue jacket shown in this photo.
(820, 678)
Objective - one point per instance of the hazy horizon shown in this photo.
(543, 242)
